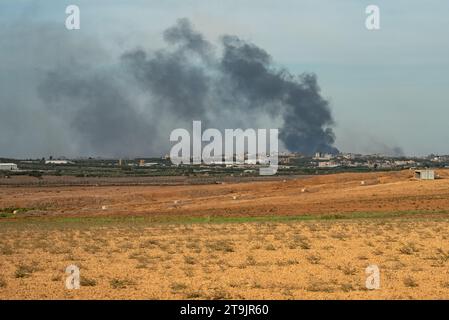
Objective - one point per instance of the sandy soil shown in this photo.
(349, 192)
(144, 259)
(297, 260)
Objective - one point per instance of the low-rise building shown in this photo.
(57, 162)
(323, 156)
(8, 167)
(425, 174)
(328, 164)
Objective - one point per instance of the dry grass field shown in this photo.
(188, 250)
(252, 260)
(330, 194)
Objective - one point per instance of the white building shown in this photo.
(251, 161)
(323, 156)
(425, 174)
(57, 162)
(8, 166)
(149, 164)
(328, 164)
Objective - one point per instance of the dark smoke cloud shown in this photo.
(383, 149)
(306, 115)
(128, 107)
(191, 81)
(97, 108)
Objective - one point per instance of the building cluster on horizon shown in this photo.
(377, 161)
(286, 160)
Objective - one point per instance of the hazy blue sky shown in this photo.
(387, 88)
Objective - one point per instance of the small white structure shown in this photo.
(8, 167)
(425, 174)
(323, 156)
(327, 164)
(57, 162)
(149, 164)
(251, 161)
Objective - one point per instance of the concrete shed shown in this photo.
(425, 174)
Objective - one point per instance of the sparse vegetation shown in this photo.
(24, 271)
(410, 282)
(319, 286)
(189, 260)
(440, 258)
(348, 269)
(314, 258)
(347, 287)
(2, 283)
(221, 257)
(177, 286)
(6, 250)
(117, 283)
(88, 282)
(56, 277)
(408, 249)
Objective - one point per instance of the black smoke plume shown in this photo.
(193, 83)
(129, 106)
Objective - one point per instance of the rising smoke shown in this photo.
(192, 82)
(128, 107)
